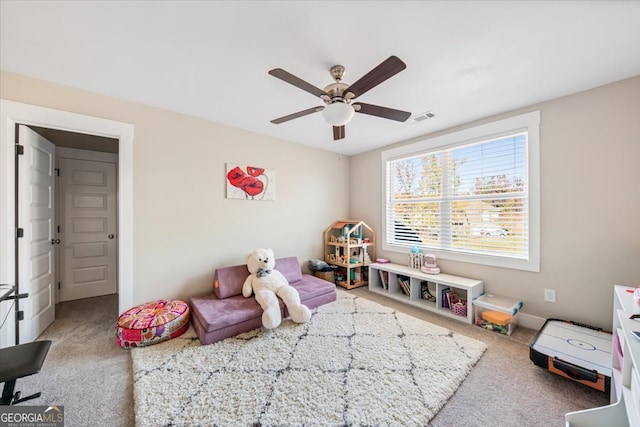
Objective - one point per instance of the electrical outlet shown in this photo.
(550, 295)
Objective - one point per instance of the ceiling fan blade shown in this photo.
(384, 112)
(338, 132)
(297, 82)
(296, 115)
(389, 68)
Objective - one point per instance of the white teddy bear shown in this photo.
(268, 284)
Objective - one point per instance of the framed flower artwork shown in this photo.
(250, 182)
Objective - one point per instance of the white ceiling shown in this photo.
(465, 59)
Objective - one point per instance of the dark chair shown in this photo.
(20, 361)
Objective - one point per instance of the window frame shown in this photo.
(529, 122)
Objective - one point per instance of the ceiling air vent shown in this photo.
(423, 116)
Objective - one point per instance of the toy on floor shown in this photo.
(268, 284)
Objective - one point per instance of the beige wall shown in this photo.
(590, 205)
(184, 227)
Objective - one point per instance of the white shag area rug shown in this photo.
(355, 363)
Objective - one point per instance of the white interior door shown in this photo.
(36, 209)
(89, 232)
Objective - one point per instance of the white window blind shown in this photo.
(468, 198)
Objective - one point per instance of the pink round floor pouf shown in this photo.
(151, 323)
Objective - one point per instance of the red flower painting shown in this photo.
(254, 171)
(236, 175)
(254, 182)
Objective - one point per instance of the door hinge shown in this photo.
(58, 285)
(19, 149)
(57, 171)
(19, 232)
(58, 229)
(20, 315)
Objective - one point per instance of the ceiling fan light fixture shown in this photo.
(338, 113)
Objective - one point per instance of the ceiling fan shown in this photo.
(339, 108)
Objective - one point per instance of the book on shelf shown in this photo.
(445, 298)
(384, 278)
(404, 284)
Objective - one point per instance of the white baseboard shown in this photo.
(530, 321)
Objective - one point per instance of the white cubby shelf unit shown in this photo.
(624, 410)
(383, 279)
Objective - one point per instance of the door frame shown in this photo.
(12, 113)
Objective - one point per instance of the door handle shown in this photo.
(55, 241)
(111, 236)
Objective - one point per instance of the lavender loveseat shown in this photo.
(226, 312)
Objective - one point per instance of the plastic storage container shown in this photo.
(497, 313)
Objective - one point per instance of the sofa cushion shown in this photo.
(214, 313)
(314, 292)
(312, 287)
(228, 281)
(207, 336)
(290, 268)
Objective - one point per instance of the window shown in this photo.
(470, 196)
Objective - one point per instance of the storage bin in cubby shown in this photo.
(329, 276)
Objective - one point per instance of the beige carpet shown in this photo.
(91, 377)
(355, 362)
(85, 371)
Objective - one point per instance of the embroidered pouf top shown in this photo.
(151, 323)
